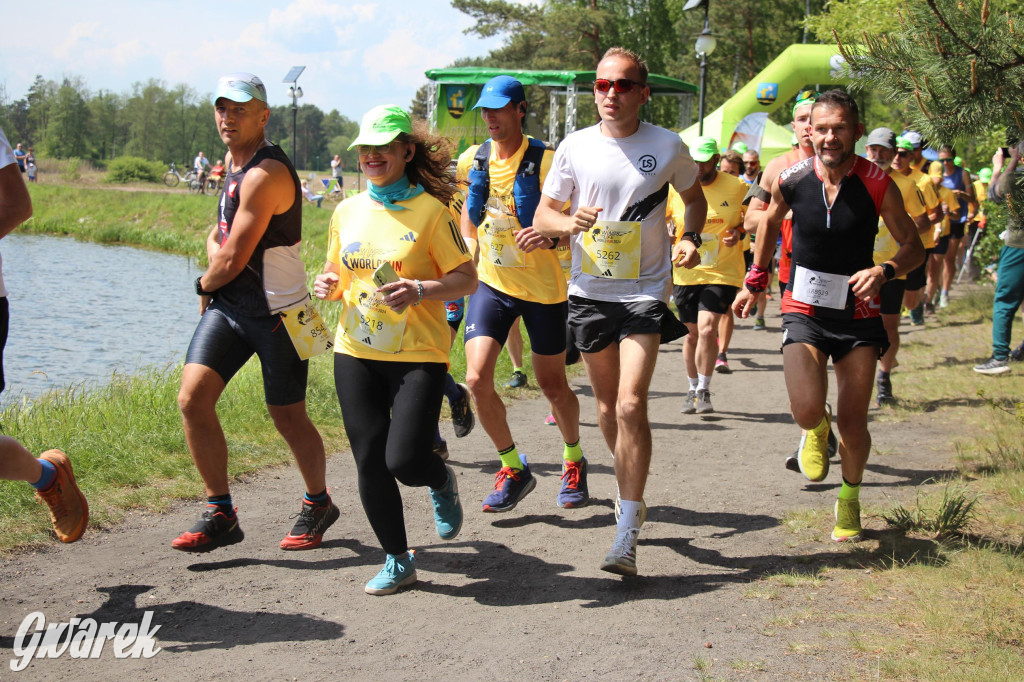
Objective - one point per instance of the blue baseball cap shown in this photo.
(499, 91)
(240, 87)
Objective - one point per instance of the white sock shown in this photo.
(629, 514)
(693, 383)
(703, 382)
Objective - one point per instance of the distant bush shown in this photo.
(133, 169)
(71, 168)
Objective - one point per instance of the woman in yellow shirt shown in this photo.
(394, 256)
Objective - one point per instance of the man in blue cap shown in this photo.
(520, 276)
(255, 272)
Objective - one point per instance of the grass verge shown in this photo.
(125, 439)
(938, 594)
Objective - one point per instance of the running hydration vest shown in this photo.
(525, 188)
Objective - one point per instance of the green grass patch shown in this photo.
(125, 439)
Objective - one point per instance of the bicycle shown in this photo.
(172, 177)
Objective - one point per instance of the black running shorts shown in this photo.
(595, 325)
(834, 338)
(225, 340)
(692, 298)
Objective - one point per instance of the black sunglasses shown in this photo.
(903, 152)
(621, 85)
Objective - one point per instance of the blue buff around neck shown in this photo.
(400, 190)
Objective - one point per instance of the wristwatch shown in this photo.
(693, 237)
(888, 271)
(199, 288)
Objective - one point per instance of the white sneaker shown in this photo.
(621, 559)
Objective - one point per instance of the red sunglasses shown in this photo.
(621, 85)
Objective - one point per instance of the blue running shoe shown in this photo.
(447, 507)
(574, 491)
(510, 486)
(399, 571)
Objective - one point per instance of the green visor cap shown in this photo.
(704, 148)
(985, 175)
(904, 143)
(382, 124)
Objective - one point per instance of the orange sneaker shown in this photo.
(69, 510)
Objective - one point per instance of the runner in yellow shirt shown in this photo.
(703, 294)
(937, 254)
(520, 276)
(881, 148)
(394, 257)
(916, 278)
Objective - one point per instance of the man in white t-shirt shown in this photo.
(337, 166)
(616, 175)
(50, 474)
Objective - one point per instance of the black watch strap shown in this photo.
(199, 287)
(888, 271)
(693, 237)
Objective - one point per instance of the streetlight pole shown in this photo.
(295, 92)
(705, 45)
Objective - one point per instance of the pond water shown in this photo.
(81, 312)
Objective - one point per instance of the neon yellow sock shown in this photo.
(849, 491)
(573, 452)
(510, 457)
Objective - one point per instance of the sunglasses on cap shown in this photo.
(806, 94)
(621, 85)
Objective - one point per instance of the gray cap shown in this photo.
(240, 87)
(883, 137)
(914, 138)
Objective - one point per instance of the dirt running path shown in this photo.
(515, 596)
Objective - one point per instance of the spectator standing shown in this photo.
(1006, 187)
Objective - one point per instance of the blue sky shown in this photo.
(357, 54)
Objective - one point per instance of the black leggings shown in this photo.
(390, 411)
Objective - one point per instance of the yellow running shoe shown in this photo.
(847, 521)
(813, 451)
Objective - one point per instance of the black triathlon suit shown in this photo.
(838, 240)
(244, 316)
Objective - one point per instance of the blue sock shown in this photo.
(318, 498)
(223, 503)
(451, 389)
(49, 473)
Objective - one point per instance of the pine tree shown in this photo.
(959, 61)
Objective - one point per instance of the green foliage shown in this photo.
(71, 169)
(125, 169)
(957, 61)
(953, 514)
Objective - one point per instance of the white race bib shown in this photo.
(611, 249)
(370, 321)
(820, 288)
(306, 329)
(497, 239)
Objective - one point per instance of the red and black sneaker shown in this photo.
(214, 529)
(313, 519)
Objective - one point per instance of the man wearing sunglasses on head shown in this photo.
(520, 276)
(616, 176)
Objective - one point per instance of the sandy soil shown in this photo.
(516, 595)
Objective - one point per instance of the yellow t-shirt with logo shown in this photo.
(421, 242)
(719, 264)
(947, 197)
(540, 278)
(931, 200)
(914, 204)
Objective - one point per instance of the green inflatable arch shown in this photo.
(797, 67)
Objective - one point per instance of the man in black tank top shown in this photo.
(255, 272)
(831, 306)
